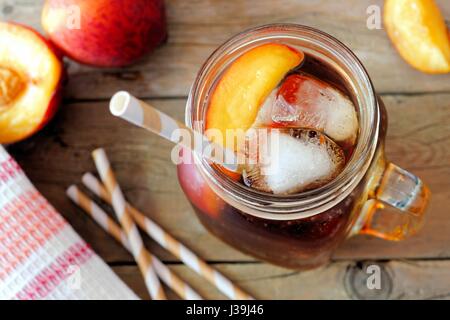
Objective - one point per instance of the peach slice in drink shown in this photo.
(245, 85)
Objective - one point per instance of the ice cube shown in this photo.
(304, 101)
(298, 160)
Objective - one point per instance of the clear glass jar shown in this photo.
(371, 195)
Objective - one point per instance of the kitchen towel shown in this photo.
(41, 256)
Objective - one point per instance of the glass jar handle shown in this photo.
(398, 206)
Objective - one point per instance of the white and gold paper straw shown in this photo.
(168, 242)
(112, 228)
(134, 238)
(143, 115)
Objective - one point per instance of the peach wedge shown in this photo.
(236, 99)
(418, 31)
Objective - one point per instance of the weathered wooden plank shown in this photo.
(196, 28)
(418, 139)
(339, 280)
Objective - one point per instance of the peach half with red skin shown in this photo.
(31, 76)
(105, 33)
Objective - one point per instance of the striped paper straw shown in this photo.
(101, 217)
(134, 238)
(143, 115)
(171, 244)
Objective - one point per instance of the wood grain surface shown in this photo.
(418, 140)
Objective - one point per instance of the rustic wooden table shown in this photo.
(418, 140)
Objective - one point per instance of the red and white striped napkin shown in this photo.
(41, 256)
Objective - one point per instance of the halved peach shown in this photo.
(30, 81)
(418, 31)
(236, 100)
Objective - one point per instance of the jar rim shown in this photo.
(311, 202)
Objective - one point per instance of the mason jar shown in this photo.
(300, 231)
